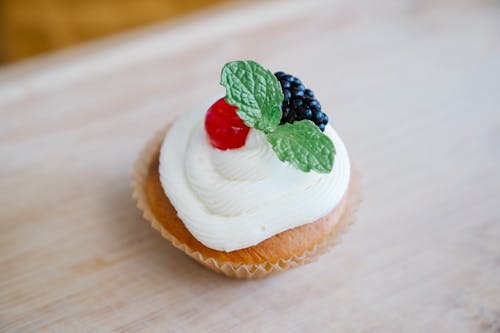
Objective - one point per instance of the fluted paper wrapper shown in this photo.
(231, 269)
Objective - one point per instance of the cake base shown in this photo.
(283, 251)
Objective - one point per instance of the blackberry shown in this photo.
(299, 102)
(309, 93)
(287, 94)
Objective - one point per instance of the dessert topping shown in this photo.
(224, 128)
(299, 103)
(259, 97)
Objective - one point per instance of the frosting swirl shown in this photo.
(237, 198)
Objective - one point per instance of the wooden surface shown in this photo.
(413, 88)
(31, 27)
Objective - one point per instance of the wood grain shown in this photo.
(413, 88)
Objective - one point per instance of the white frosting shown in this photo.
(237, 198)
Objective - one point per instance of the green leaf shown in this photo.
(255, 91)
(304, 146)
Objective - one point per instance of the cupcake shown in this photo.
(252, 184)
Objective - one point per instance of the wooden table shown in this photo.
(414, 89)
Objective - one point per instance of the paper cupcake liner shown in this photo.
(231, 269)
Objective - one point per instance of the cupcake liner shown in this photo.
(231, 269)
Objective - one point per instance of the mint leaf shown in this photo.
(304, 146)
(255, 91)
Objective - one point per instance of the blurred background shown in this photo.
(32, 27)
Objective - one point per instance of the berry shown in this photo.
(299, 102)
(224, 128)
(325, 118)
(286, 111)
(315, 105)
(286, 85)
(307, 113)
(299, 87)
(318, 117)
(296, 103)
(279, 74)
(298, 93)
(287, 94)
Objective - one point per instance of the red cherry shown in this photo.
(224, 128)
